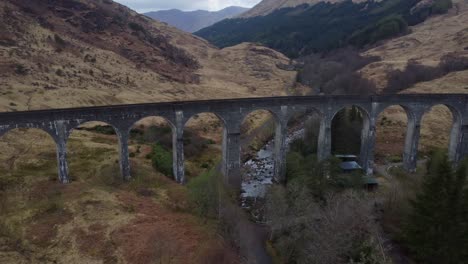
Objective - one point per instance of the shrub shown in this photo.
(20, 69)
(340, 230)
(136, 27)
(451, 63)
(59, 41)
(441, 6)
(162, 160)
(60, 73)
(415, 72)
(335, 72)
(132, 154)
(204, 194)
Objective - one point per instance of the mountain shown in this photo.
(67, 53)
(324, 26)
(266, 7)
(192, 21)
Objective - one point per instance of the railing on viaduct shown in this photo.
(59, 123)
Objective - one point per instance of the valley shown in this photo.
(77, 53)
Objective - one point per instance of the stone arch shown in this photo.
(192, 115)
(362, 109)
(145, 132)
(99, 148)
(311, 119)
(165, 118)
(8, 129)
(454, 129)
(365, 126)
(80, 122)
(408, 111)
(203, 138)
(392, 156)
(45, 140)
(303, 109)
(274, 113)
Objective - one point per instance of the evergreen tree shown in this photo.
(436, 227)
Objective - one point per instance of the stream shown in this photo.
(259, 170)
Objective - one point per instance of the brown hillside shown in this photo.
(427, 43)
(66, 53)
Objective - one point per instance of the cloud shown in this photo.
(186, 5)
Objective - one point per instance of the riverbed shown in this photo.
(259, 170)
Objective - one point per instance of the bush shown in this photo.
(452, 63)
(204, 194)
(415, 72)
(339, 230)
(60, 73)
(20, 69)
(59, 41)
(441, 6)
(136, 27)
(335, 73)
(162, 160)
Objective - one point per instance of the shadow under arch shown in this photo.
(444, 120)
(354, 115)
(28, 151)
(93, 152)
(391, 127)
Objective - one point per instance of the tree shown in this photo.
(436, 229)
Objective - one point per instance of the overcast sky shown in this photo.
(186, 5)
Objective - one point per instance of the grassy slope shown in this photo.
(95, 218)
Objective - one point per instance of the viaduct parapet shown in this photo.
(59, 123)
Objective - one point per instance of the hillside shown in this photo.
(82, 53)
(427, 43)
(266, 7)
(305, 29)
(191, 21)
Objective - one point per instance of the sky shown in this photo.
(142, 6)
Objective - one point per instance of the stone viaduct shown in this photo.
(59, 123)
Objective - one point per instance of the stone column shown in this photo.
(178, 148)
(324, 141)
(368, 145)
(458, 148)
(410, 155)
(61, 137)
(3, 130)
(281, 147)
(124, 160)
(231, 158)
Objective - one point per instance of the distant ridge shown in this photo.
(192, 21)
(266, 7)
